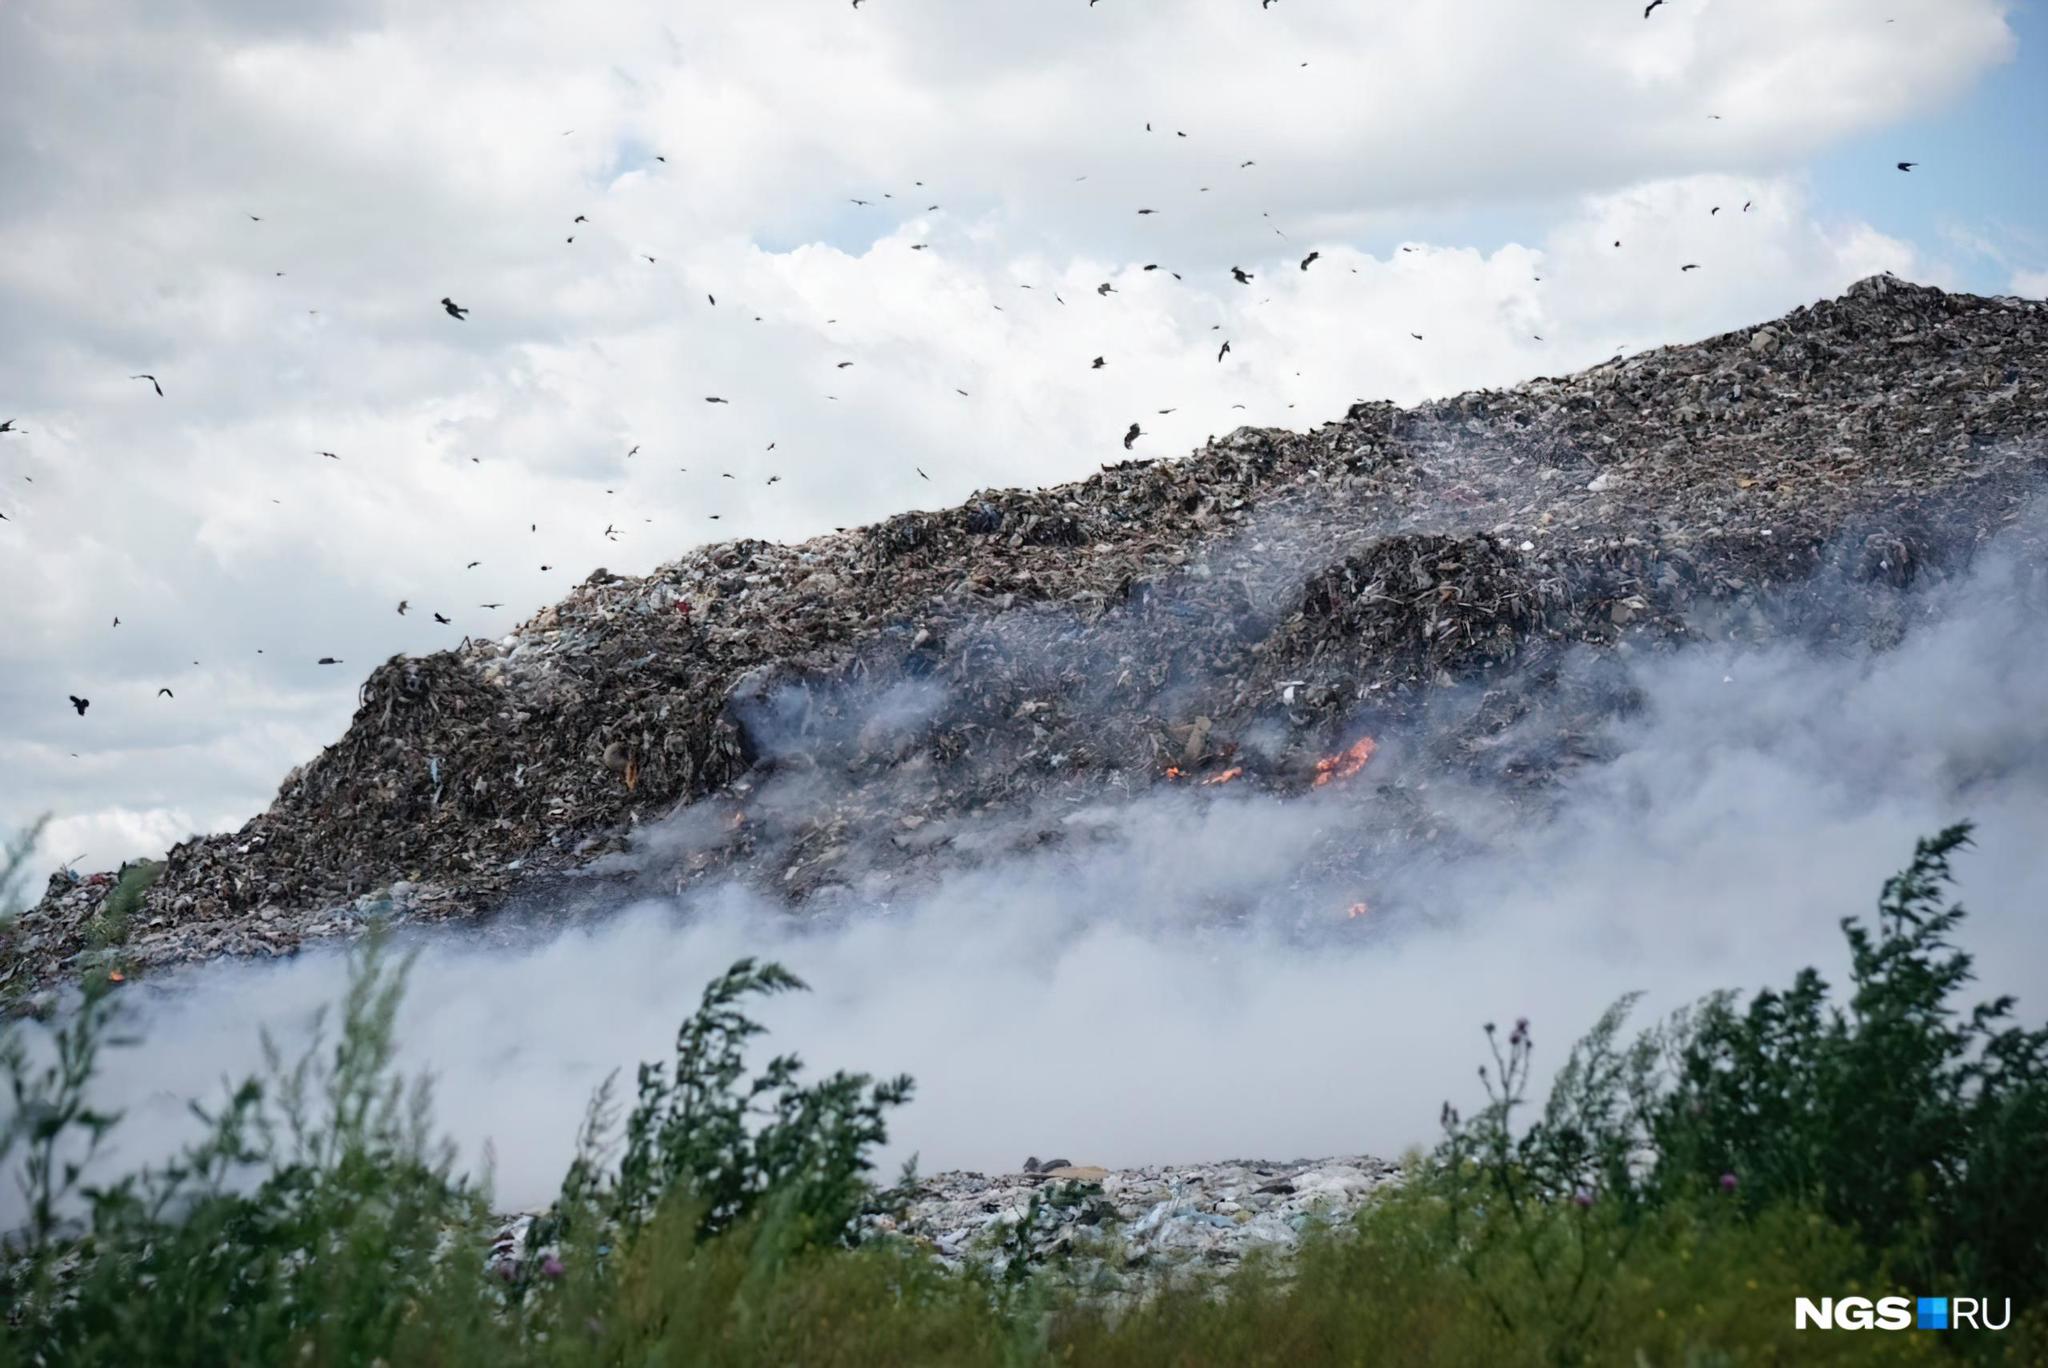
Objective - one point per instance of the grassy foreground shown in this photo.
(1662, 1205)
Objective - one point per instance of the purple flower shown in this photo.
(551, 1267)
(1729, 1183)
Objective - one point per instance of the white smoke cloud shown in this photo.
(1084, 1001)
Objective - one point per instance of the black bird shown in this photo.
(454, 310)
(1105, 288)
(330, 455)
(490, 605)
(1907, 166)
(579, 219)
(443, 621)
(1653, 5)
(80, 703)
(329, 660)
(1133, 435)
(861, 201)
(842, 365)
(1746, 204)
(1243, 164)
(1097, 364)
(1166, 410)
(1307, 259)
(1224, 351)
(714, 300)
(1713, 211)
(472, 565)
(165, 693)
(634, 452)
(1153, 267)
(1241, 276)
(1416, 336)
(9, 426)
(117, 619)
(714, 399)
(1690, 266)
(646, 257)
(773, 479)
(153, 384)
(1148, 211)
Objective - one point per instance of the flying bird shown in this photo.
(634, 452)
(1148, 211)
(165, 693)
(403, 604)
(1907, 166)
(328, 660)
(1653, 5)
(454, 310)
(1312, 256)
(1097, 364)
(842, 365)
(1416, 336)
(472, 565)
(443, 621)
(490, 605)
(1133, 435)
(1240, 275)
(714, 399)
(80, 703)
(9, 426)
(329, 455)
(1105, 288)
(920, 472)
(153, 384)
(579, 219)
(1690, 266)
(1224, 351)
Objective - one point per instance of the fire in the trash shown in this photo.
(1346, 762)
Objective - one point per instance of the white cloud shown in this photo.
(396, 155)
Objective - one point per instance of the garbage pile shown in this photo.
(1121, 1231)
(1112, 1233)
(1239, 616)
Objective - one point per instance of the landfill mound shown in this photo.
(831, 720)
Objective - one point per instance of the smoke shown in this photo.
(1179, 977)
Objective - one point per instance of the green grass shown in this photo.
(110, 927)
(1662, 1204)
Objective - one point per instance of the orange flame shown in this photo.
(1224, 777)
(1346, 762)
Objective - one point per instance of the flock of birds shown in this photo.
(1132, 434)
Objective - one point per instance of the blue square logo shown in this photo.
(1933, 1313)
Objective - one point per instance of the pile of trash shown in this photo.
(1239, 616)
(1127, 1229)
(1111, 1232)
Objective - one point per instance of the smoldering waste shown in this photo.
(836, 723)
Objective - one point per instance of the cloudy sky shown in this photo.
(260, 205)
